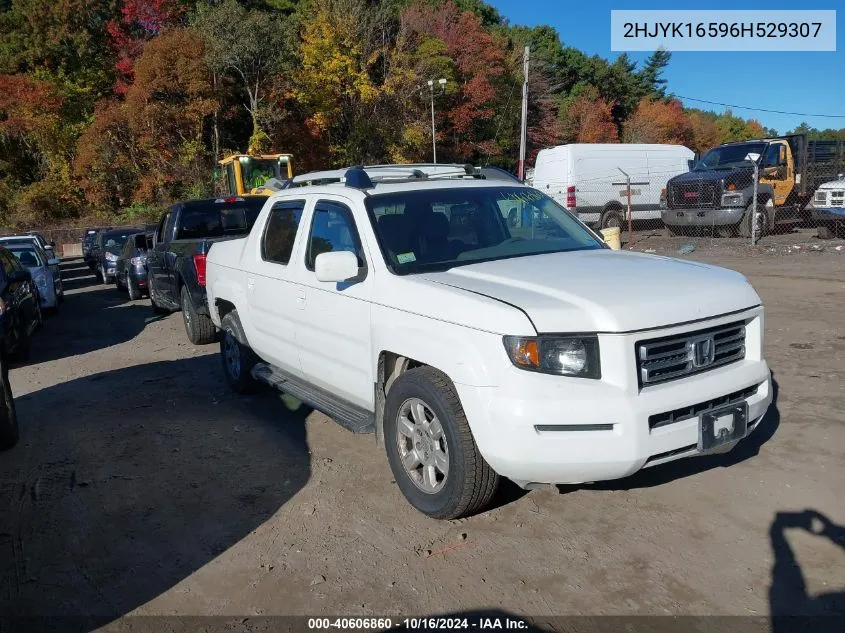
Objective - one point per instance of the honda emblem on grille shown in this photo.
(702, 351)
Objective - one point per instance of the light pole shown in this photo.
(442, 82)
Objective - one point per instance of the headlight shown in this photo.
(733, 200)
(576, 356)
(111, 257)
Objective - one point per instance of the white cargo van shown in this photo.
(585, 178)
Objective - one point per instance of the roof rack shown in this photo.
(353, 176)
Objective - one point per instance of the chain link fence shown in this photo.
(68, 239)
(754, 193)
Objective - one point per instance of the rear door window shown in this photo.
(280, 233)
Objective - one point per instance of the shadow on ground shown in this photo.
(93, 316)
(788, 595)
(127, 482)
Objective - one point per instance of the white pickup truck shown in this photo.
(481, 331)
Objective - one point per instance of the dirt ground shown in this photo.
(142, 486)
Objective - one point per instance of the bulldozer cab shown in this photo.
(243, 174)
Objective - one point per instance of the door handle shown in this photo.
(250, 284)
(300, 298)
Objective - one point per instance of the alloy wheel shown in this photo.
(423, 449)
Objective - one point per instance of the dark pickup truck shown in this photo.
(718, 192)
(176, 263)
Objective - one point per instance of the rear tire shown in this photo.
(198, 326)
(469, 482)
(9, 429)
(612, 218)
(236, 356)
(132, 289)
(826, 232)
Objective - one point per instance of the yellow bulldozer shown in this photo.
(253, 174)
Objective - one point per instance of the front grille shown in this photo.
(837, 199)
(685, 413)
(673, 357)
(692, 194)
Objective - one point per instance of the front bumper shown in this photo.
(828, 214)
(702, 217)
(504, 418)
(109, 269)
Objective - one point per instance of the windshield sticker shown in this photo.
(527, 195)
(406, 258)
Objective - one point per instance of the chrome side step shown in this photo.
(348, 415)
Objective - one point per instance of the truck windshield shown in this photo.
(437, 229)
(729, 156)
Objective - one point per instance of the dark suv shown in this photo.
(107, 249)
(131, 268)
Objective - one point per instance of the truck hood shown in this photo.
(711, 175)
(833, 185)
(604, 290)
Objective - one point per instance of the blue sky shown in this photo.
(811, 82)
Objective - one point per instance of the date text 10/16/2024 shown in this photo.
(480, 623)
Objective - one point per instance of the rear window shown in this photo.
(217, 220)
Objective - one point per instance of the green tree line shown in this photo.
(113, 108)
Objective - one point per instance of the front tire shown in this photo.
(430, 447)
(157, 309)
(725, 230)
(198, 326)
(237, 357)
(9, 429)
(754, 214)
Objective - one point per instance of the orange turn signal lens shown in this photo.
(524, 351)
(730, 187)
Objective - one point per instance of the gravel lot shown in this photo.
(141, 485)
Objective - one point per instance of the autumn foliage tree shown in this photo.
(590, 120)
(658, 121)
(150, 147)
(112, 105)
(139, 22)
(478, 63)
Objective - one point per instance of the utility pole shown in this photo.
(523, 133)
(442, 82)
